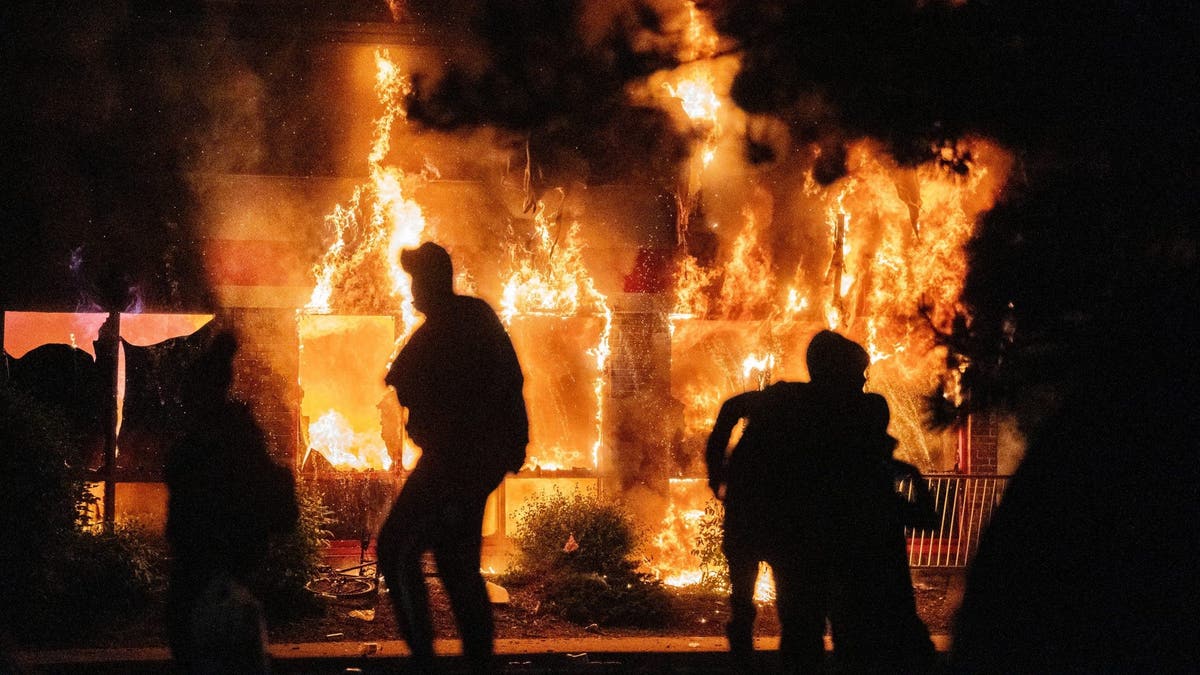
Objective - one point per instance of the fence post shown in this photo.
(3, 353)
(108, 346)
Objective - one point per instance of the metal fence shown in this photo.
(965, 504)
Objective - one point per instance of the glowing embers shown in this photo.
(349, 418)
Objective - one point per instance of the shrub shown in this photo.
(110, 573)
(603, 533)
(713, 566)
(42, 494)
(628, 599)
(293, 559)
(594, 580)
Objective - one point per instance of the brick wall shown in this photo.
(266, 374)
(983, 439)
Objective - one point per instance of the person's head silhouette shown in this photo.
(837, 363)
(209, 378)
(432, 275)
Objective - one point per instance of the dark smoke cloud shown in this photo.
(93, 165)
(553, 73)
(112, 109)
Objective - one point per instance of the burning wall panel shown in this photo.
(560, 380)
(343, 360)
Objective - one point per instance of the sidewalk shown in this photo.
(537, 655)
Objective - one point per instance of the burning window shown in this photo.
(349, 418)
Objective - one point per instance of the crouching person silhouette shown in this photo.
(459, 379)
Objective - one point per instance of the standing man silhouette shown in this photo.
(459, 379)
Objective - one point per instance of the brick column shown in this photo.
(640, 416)
(982, 443)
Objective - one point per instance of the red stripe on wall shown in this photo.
(256, 262)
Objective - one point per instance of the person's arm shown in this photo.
(715, 459)
(920, 511)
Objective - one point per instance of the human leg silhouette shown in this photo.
(457, 551)
(403, 539)
(801, 598)
(743, 574)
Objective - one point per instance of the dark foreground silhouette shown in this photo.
(809, 490)
(459, 378)
(225, 498)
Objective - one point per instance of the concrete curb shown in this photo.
(518, 654)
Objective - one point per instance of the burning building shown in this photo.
(637, 300)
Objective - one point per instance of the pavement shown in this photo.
(536, 655)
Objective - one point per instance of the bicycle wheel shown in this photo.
(341, 586)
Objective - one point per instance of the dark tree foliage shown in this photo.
(97, 209)
(534, 69)
(1081, 295)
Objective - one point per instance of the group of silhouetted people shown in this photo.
(808, 488)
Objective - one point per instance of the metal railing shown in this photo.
(965, 504)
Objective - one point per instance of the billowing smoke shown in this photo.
(96, 118)
(554, 75)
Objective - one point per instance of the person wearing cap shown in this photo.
(459, 380)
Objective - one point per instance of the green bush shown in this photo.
(294, 558)
(42, 497)
(603, 532)
(713, 566)
(595, 579)
(110, 573)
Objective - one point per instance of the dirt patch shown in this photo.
(694, 613)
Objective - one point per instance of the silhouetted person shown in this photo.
(1088, 565)
(809, 490)
(459, 378)
(758, 529)
(225, 498)
(872, 608)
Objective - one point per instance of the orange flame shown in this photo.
(381, 218)
(332, 436)
(548, 277)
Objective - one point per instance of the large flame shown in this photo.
(360, 270)
(547, 277)
(380, 219)
(333, 437)
(893, 263)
